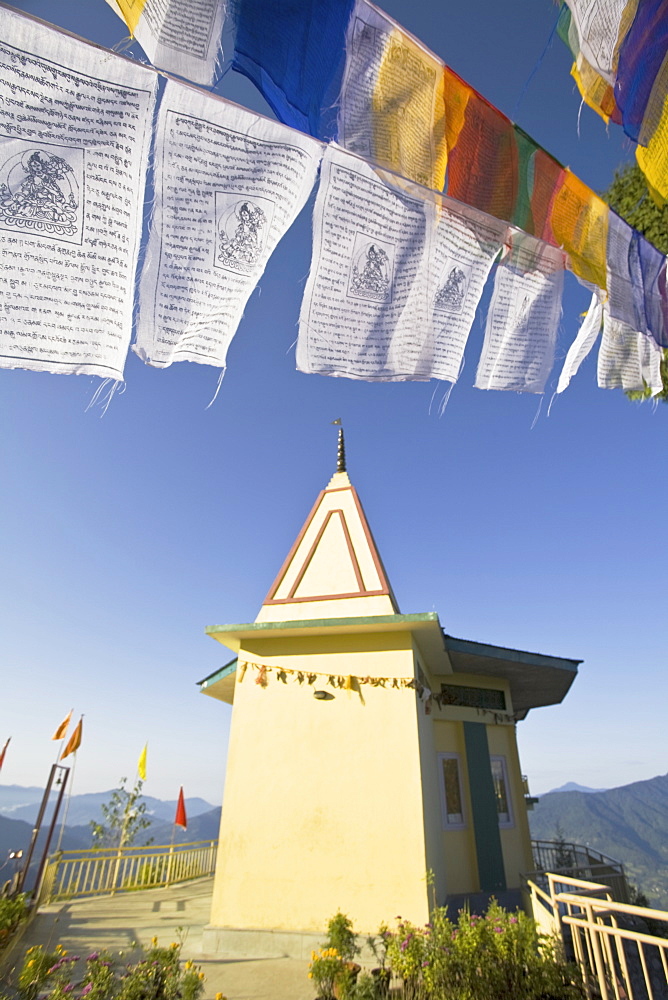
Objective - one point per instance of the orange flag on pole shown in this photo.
(180, 818)
(74, 741)
(62, 728)
(4, 751)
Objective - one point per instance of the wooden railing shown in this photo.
(110, 870)
(619, 948)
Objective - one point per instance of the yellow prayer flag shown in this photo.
(62, 728)
(653, 160)
(141, 763)
(74, 741)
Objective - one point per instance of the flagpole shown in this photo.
(141, 766)
(67, 803)
(64, 774)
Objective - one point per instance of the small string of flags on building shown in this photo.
(353, 682)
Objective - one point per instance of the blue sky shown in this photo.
(125, 535)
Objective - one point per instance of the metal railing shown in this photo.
(611, 942)
(110, 870)
(577, 861)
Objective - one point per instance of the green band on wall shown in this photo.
(483, 803)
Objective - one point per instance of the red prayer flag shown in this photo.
(3, 752)
(180, 818)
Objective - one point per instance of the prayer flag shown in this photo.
(180, 818)
(522, 319)
(583, 343)
(74, 741)
(641, 56)
(482, 151)
(598, 24)
(395, 278)
(295, 53)
(141, 763)
(72, 171)
(3, 752)
(181, 37)
(579, 221)
(217, 218)
(392, 101)
(627, 359)
(62, 728)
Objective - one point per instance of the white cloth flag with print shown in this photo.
(228, 185)
(523, 317)
(74, 136)
(583, 343)
(395, 278)
(181, 36)
(598, 24)
(627, 359)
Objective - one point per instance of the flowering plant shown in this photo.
(500, 955)
(326, 969)
(158, 975)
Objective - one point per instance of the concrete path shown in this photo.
(178, 913)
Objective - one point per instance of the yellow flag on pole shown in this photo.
(62, 728)
(141, 763)
(74, 741)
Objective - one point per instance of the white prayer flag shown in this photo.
(75, 127)
(598, 24)
(462, 247)
(395, 276)
(523, 317)
(228, 185)
(651, 357)
(627, 359)
(583, 343)
(181, 36)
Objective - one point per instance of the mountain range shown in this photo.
(629, 824)
(19, 807)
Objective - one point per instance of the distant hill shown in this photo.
(629, 824)
(15, 834)
(17, 802)
(202, 827)
(572, 786)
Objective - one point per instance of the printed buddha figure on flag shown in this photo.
(39, 192)
(371, 272)
(242, 237)
(450, 296)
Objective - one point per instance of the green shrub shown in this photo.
(12, 911)
(500, 956)
(340, 935)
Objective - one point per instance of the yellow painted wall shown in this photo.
(516, 840)
(457, 846)
(323, 799)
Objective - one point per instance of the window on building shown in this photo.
(502, 791)
(474, 697)
(451, 791)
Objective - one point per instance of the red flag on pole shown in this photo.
(180, 818)
(4, 751)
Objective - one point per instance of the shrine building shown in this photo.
(367, 748)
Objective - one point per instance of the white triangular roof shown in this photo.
(334, 569)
